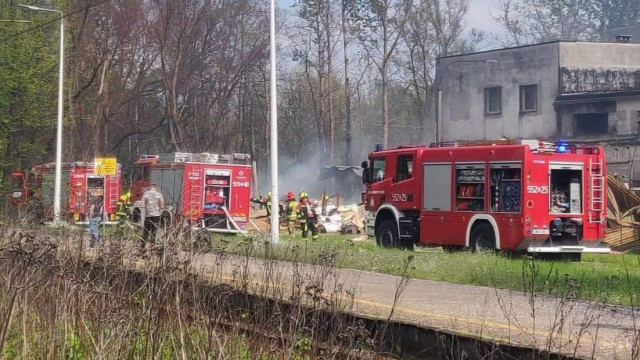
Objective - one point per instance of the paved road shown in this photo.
(586, 329)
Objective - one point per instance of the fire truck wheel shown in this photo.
(387, 234)
(483, 238)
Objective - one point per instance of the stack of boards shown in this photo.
(623, 217)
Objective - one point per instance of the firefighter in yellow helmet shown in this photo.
(123, 207)
(291, 212)
(308, 217)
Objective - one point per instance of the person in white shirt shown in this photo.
(153, 203)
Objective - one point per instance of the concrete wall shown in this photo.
(597, 68)
(589, 67)
(622, 150)
(633, 30)
(463, 84)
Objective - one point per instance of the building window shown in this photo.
(493, 100)
(591, 124)
(528, 98)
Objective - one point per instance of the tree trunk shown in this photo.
(321, 111)
(384, 75)
(329, 87)
(347, 90)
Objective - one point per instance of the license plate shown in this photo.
(540, 231)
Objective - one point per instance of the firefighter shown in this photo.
(291, 212)
(307, 216)
(123, 207)
(266, 202)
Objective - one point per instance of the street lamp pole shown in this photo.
(439, 87)
(275, 211)
(58, 173)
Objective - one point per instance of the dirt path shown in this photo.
(566, 326)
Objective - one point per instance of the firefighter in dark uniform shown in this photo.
(308, 217)
(266, 202)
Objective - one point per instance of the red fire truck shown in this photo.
(522, 195)
(78, 179)
(207, 191)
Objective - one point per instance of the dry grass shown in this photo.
(56, 303)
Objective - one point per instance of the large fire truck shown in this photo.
(77, 181)
(522, 195)
(207, 191)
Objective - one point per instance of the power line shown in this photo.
(4, 39)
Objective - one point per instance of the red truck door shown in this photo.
(404, 194)
(436, 224)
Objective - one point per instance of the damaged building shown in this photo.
(581, 92)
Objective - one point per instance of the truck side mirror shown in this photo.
(366, 176)
(365, 164)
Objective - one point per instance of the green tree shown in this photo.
(28, 87)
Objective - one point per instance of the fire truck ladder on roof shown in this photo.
(596, 192)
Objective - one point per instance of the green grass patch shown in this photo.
(612, 279)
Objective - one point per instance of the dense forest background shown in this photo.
(150, 76)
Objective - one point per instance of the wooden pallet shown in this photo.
(623, 239)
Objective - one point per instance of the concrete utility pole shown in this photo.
(275, 206)
(58, 176)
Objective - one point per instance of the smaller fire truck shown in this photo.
(206, 191)
(78, 180)
(521, 195)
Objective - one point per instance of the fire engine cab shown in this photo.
(207, 191)
(518, 195)
(78, 180)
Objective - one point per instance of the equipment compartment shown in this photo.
(470, 182)
(566, 189)
(506, 188)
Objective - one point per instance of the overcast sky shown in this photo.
(479, 15)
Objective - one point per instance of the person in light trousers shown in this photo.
(96, 209)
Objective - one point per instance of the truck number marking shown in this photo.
(399, 197)
(534, 189)
(240, 184)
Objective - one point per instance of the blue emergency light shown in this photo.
(562, 147)
(378, 147)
